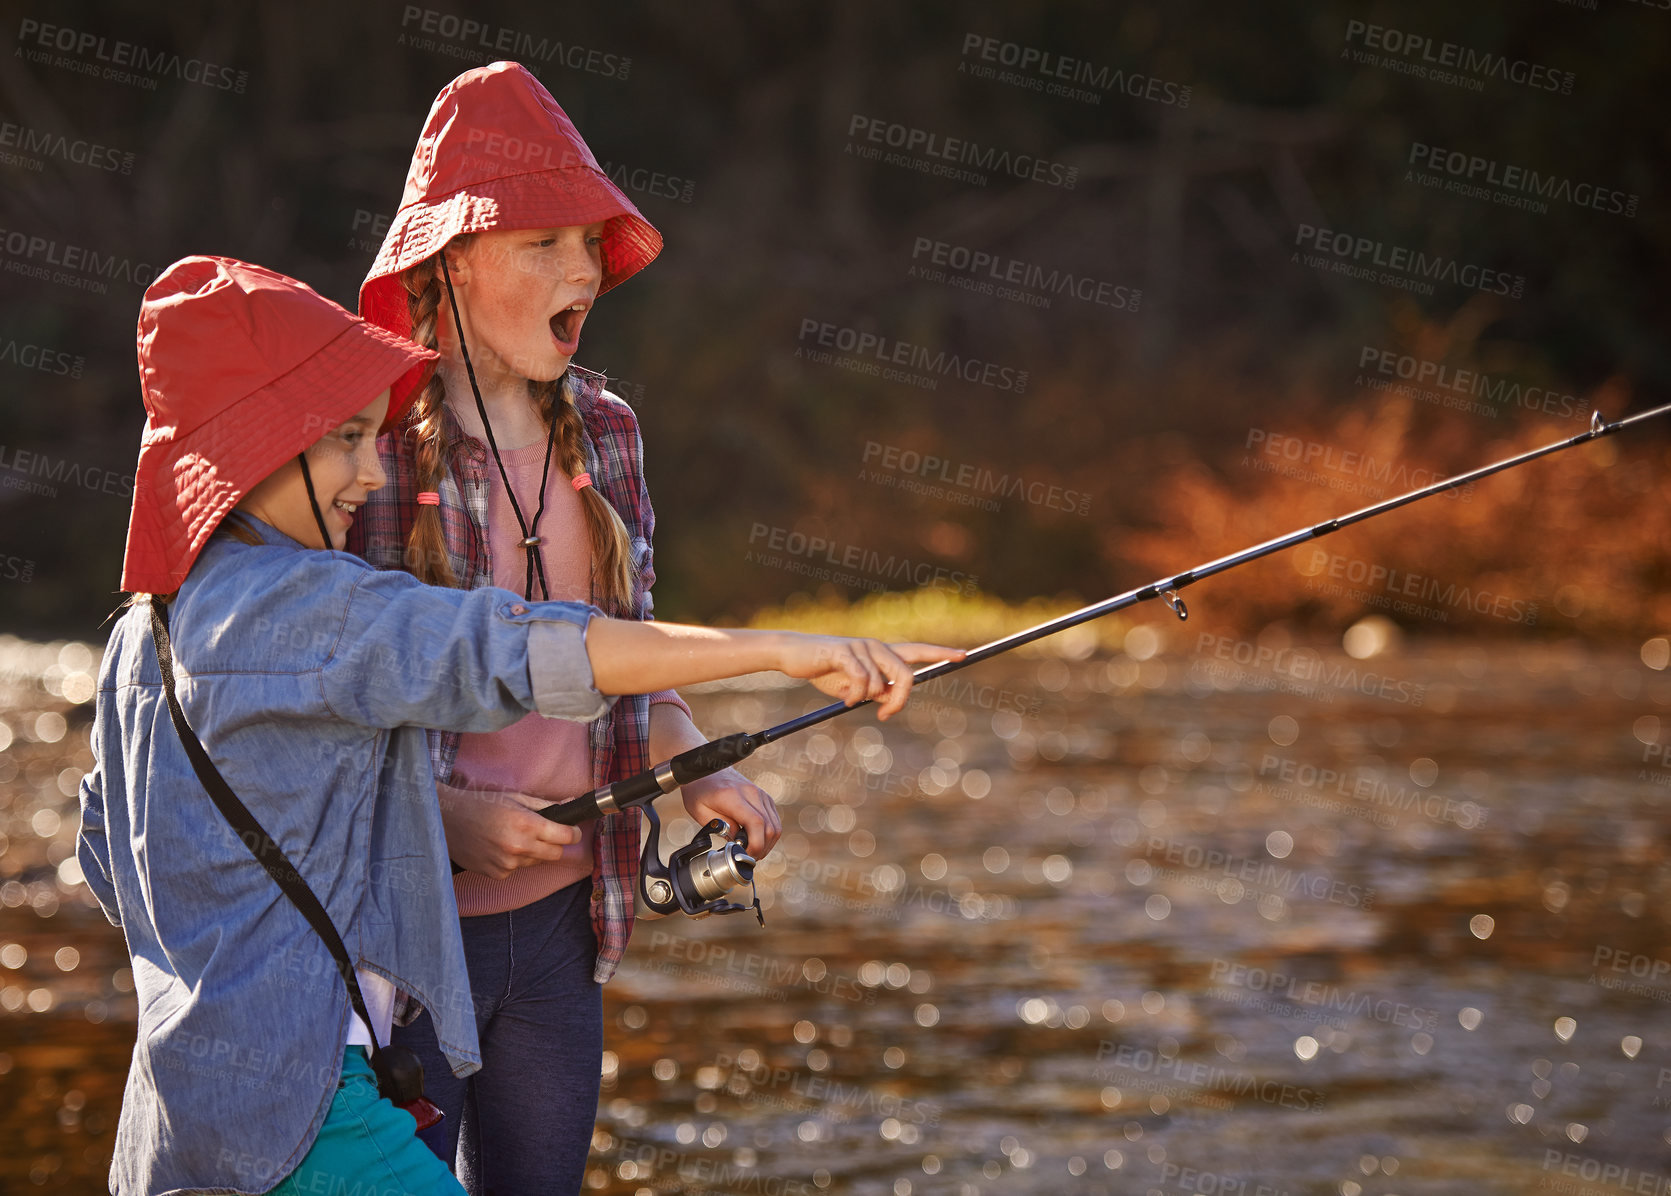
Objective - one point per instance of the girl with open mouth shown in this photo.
(518, 468)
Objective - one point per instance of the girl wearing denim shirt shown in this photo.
(310, 678)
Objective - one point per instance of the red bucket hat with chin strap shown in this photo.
(241, 370)
(497, 152)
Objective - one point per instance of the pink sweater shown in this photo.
(544, 758)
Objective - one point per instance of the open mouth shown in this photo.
(347, 508)
(565, 325)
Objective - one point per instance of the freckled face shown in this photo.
(525, 293)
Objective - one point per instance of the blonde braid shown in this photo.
(426, 549)
(612, 579)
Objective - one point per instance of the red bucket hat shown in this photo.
(241, 369)
(497, 152)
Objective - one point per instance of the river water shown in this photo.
(1218, 917)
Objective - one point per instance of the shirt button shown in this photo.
(519, 609)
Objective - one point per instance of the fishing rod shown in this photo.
(697, 876)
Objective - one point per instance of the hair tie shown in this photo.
(582, 480)
(429, 498)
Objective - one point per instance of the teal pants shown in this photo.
(367, 1147)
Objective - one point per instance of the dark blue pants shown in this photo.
(522, 1125)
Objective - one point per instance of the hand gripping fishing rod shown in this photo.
(700, 877)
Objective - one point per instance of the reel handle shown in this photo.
(677, 886)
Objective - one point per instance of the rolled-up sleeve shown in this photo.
(409, 654)
(556, 657)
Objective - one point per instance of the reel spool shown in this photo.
(697, 877)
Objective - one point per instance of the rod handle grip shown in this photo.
(708, 758)
(573, 813)
(690, 765)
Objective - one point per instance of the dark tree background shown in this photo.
(732, 126)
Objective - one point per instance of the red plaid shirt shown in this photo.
(620, 740)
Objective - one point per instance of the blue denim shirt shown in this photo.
(309, 677)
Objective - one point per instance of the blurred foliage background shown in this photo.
(744, 109)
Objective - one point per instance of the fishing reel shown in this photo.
(697, 877)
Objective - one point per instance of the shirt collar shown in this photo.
(587, 387)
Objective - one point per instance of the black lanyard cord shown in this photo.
(313, 503)
(261, 845)
(530, 541)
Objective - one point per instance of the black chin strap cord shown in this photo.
(313, 503)
(530, 541)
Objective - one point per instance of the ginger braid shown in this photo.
(426, 548)
(612, 579)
